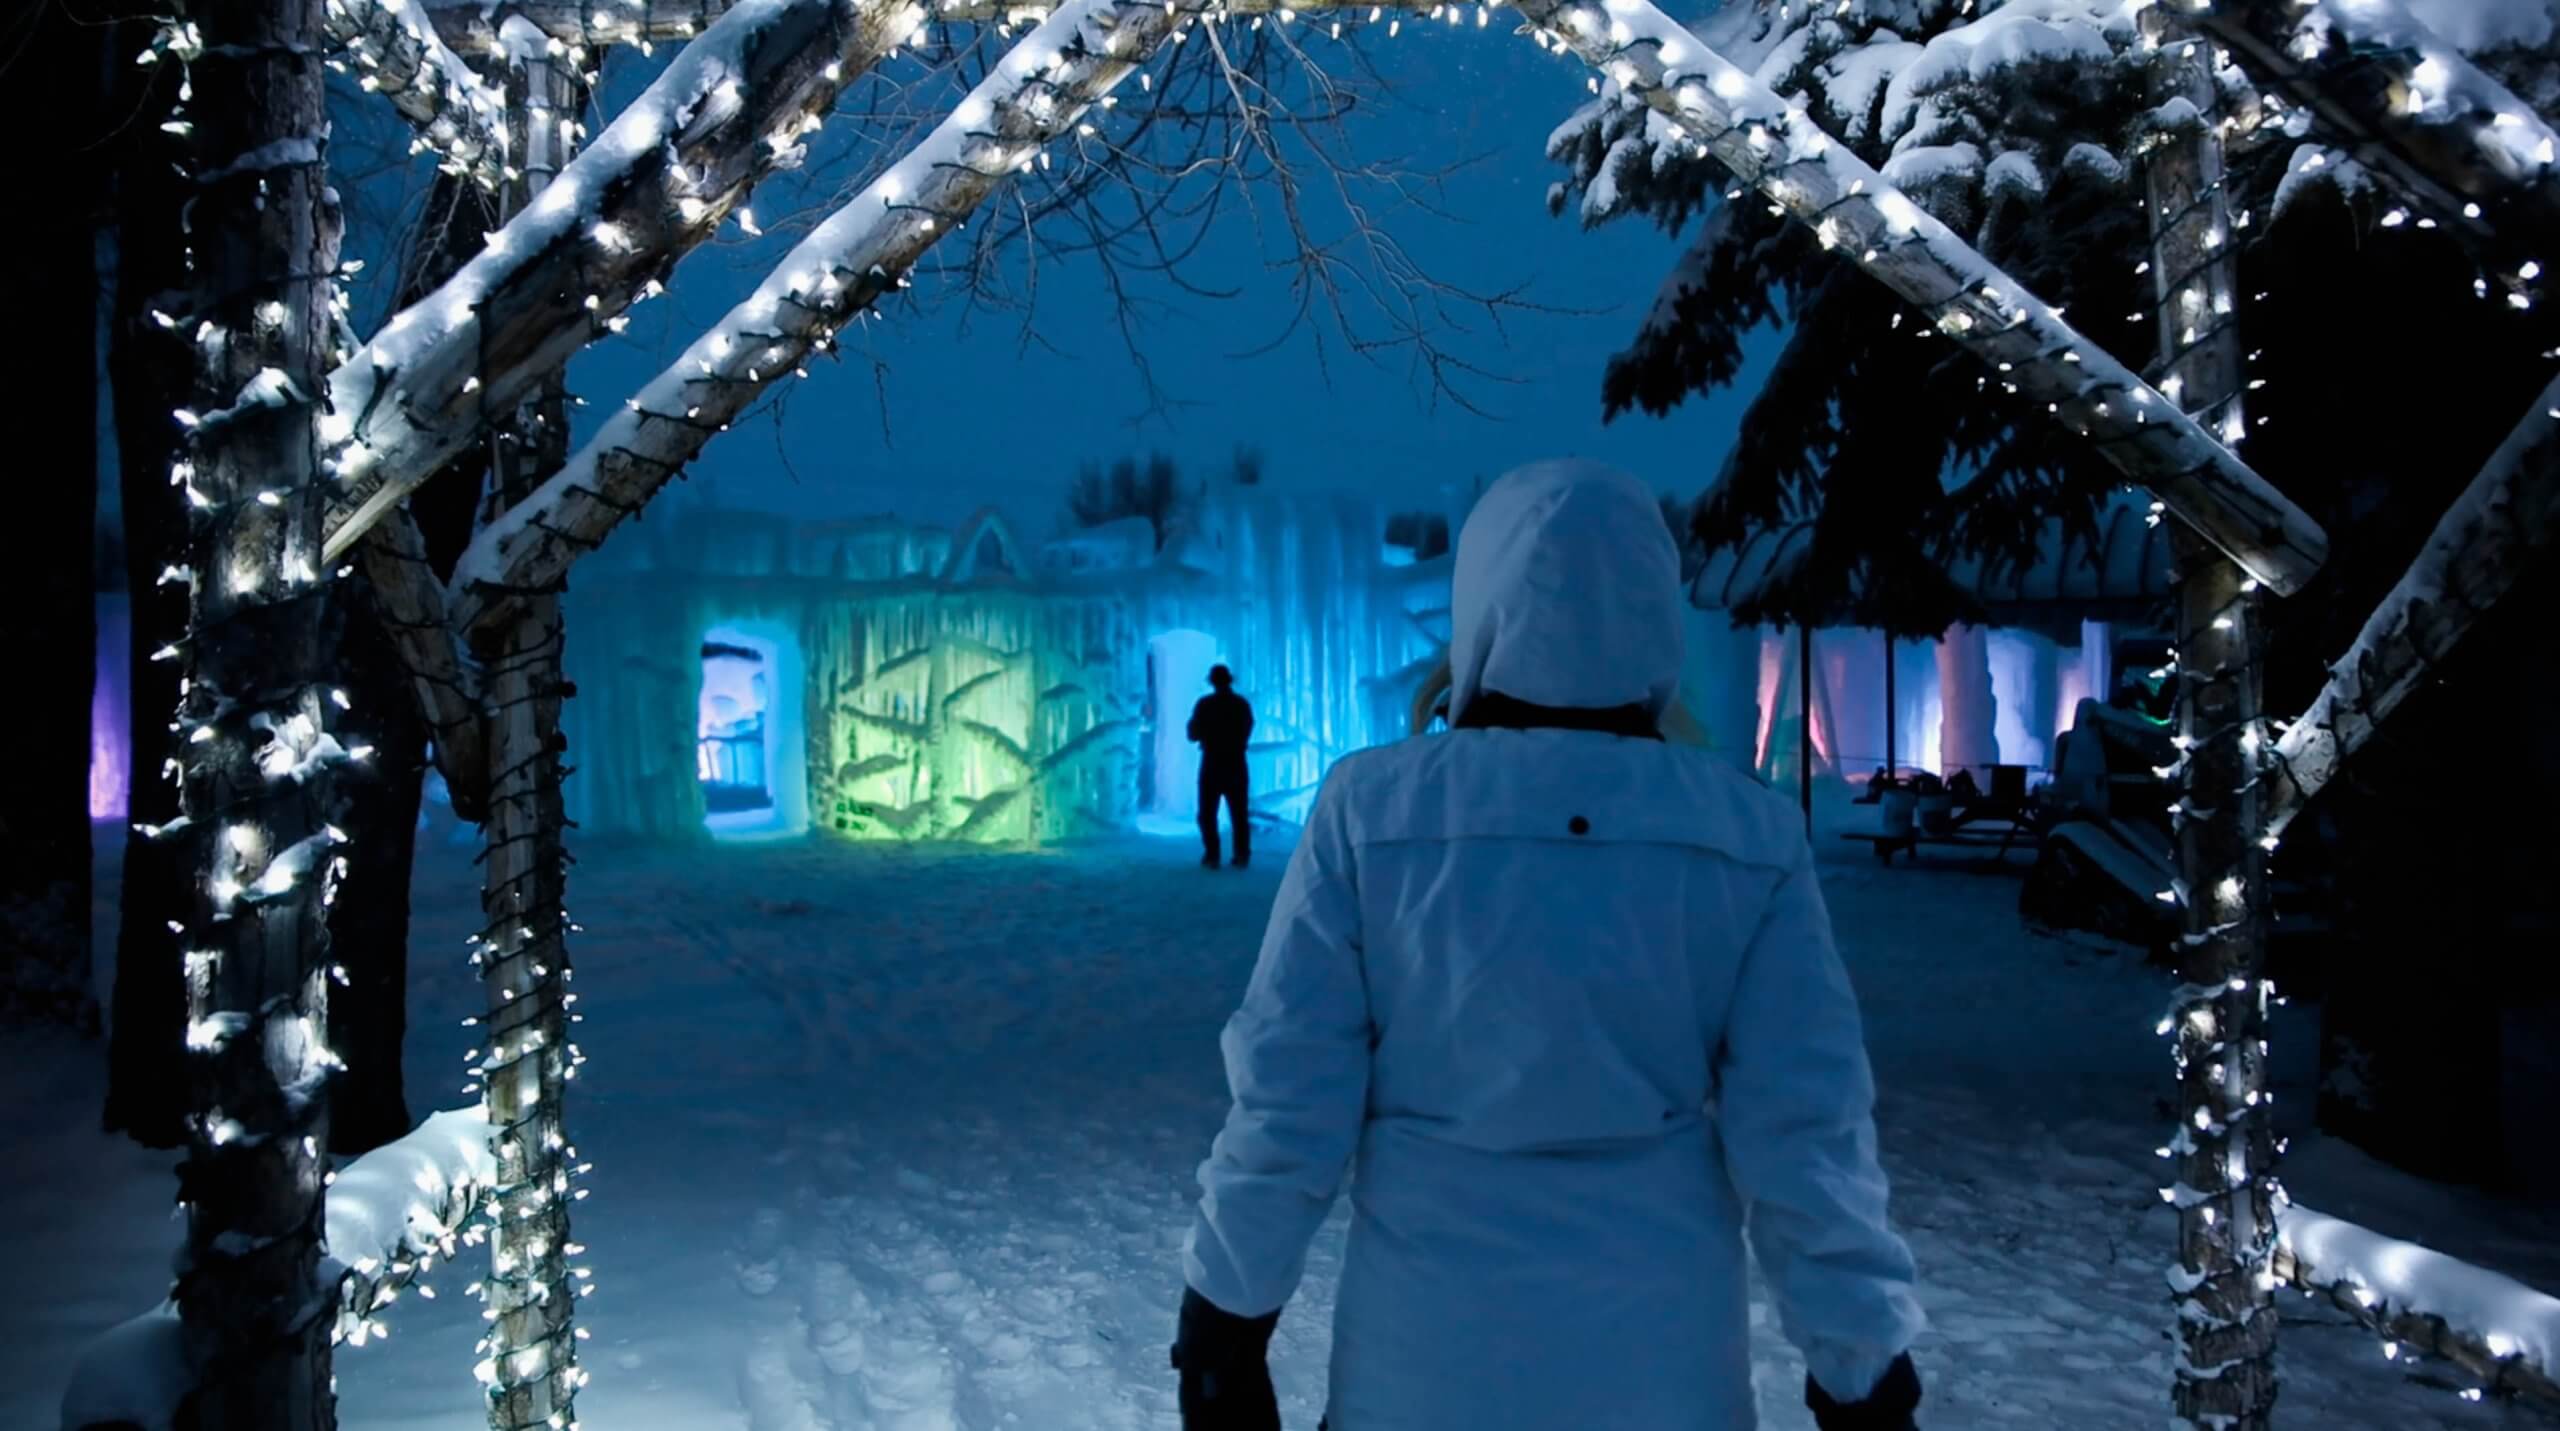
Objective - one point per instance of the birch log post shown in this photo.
(655, 184)
(1037, 93)
(2222, 1148)
(530, 1356)
(409, 602)
(257, 778)
(397, 53)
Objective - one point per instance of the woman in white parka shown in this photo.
(1567, 996)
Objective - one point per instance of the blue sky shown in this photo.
(973, 415)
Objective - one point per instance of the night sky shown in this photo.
(974, 415)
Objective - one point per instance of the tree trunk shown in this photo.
(48, 549)
(370, 922)
(2223, 1149)
(532, 1369)
(148, 371)
(259, 783)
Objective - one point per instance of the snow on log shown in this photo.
(1779, 149)
(409, 601)
(397, 1209)
(1038, 92)
(468, 26)
(390, 1215)
(399, 55)
(654, 185)
(2500, 525)
(2410, 107)
(2497, 1329)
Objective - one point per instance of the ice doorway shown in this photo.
(747, 737)
(1178, 665)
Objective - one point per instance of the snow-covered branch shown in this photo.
(1037, 93)
(654, 185)
(1779, 149)
(2497, 1329)
(2500, 526)
(409, 602)
(390, 1215)
(400, 56)
(2410, 107)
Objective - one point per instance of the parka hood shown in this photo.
(1566, 593)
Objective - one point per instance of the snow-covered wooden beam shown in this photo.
(1039, 92)
(409, 601)
(654, 185)
(397, 53)
(468, 27)
(391, 1215)
(1781, 151)
(2411, 108)
(2502, 524)
(2419, 1301)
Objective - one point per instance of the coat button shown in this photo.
(1578, 825)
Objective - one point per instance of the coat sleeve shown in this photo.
(1796, 1110)
(1192, 731)
(1297, 1054)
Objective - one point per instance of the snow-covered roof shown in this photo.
(2124, 574)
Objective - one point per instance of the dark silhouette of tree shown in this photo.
(1128, 488)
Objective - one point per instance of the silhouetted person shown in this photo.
(1223, 724)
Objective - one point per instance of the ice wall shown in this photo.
(111, 711)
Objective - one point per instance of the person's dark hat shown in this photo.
(1221, 677)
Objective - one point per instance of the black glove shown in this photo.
(1225, 1366)
(1887, 1408)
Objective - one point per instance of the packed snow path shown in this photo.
(902, 1140)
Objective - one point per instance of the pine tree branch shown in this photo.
(466, 24)
(2409, 107)
(2495, 531)
(651, 188)
(1782, 152)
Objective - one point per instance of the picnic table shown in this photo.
(1998, 820)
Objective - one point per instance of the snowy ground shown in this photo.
(902, 1140)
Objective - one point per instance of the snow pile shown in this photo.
(134, 1376)
(389, 1214)
(2512, 1320)
(406, 1199)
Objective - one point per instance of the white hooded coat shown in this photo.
(1569, 1002)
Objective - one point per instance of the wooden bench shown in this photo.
(2012, 833)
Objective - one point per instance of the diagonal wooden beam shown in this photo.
(653, 186)
(1782, 152)
(1035, 95)
(2503, 523)
(410, 602)
(468, 26)
(399, 55)
(2411, 108)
